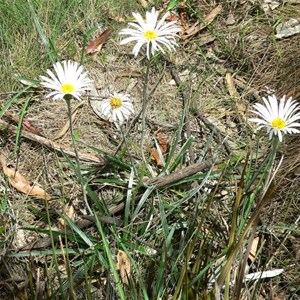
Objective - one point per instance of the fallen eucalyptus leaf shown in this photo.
(96, 44)
(19, 182)
(124, 266)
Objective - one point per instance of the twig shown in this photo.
(162, 181)
(50, 144)
(87, 221)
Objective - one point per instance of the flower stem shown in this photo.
(270, 168)
(78, 171)
(144, 106)
(128, 151)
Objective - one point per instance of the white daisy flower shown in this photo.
(279, 117)
(151, 32)
(116, 108)
(70, 79)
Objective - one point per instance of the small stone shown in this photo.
(224, 193)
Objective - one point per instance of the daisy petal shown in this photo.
(155, 33)
(278, 116)
(68, 78)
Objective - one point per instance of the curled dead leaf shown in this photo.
(26, 124)
(124, 266)
(155, 156)
(96, 44)
(208, 19)
(162, 141)
(253, 249)
(231, 86)
(163, 146)
(19, 182)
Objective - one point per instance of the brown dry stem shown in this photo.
(50, 144)
(176, 176)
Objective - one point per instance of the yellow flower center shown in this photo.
(67, 88)
(150, 35)
(115, 102)
(278, 123)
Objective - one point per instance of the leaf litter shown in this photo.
(21, 183)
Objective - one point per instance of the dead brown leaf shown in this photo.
(239, 105)
(162, 141)
(26, 125)
(253, 249)
(155, 156)
(29, 127)
(123, 265)
(231, 86)
(208, 19)
(163, 145)
(96, 44)
(19, 182)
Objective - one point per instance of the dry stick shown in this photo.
(176, 176)
(186, 99)
(16, 119)
(50, 144)
(82, 224)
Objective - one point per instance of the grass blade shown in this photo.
(52, 54)
(111, 261)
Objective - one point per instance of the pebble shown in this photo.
(224, 193)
